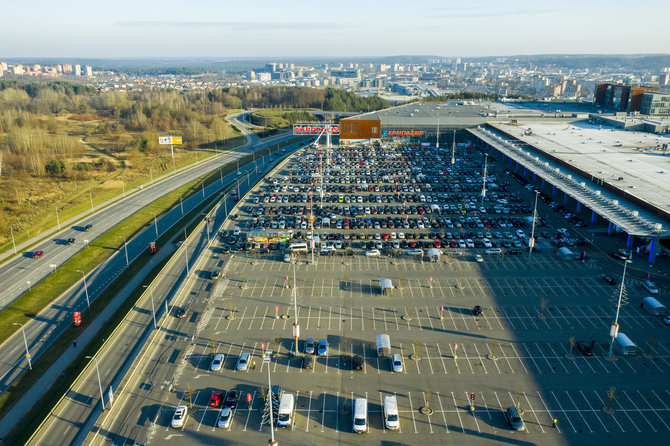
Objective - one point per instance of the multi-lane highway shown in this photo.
(49, 324)
(75, 414)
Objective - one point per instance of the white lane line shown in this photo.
(474, 417)
(444, 417)
(558, 403)
(428, 358)
(253, 398)
(652, 409)
(323, 410)
(481, 359)
(494, 362)
(441, 358)
(457, 412)
(534, 412)
(409, 397)
(467, 358)
(614, 418)
(548, 412)
(458, 369)
(579, 411)
(594, 411)
(425, 402)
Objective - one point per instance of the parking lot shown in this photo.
(540, 343)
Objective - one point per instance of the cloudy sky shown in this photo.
(349, 28)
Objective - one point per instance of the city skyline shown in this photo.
(348, 29)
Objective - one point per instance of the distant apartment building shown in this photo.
(620, 96)
(67, 68)
(89, 70)
(77, 70)
(655, 104)
(17, 69)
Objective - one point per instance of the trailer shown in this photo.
(565, 253)
(653, 306)
(383, 345)
(385, 286)
(624, 346)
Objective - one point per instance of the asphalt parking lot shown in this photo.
(467, 369)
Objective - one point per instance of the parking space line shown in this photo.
(490, 353)
(395, 315)
(534, 412)
(451, 315)
(502, 327)
(548, 412)
(425, 403)
(545, 357)
(488, 412)
(637, 409)
(531, 318)
(576, 318)
(587, 317)
(430, 364)
(578, 411)
(430, 322)
(539, 370)
(444, 417)
(481, 359)
(520, 360)
(439, 352)
(242, 318)
(474, 417)
(253, 318)
(464, 321)
(458, 369)
(509, 320)
(560, 360)
(409, 398)
(654, 411)
(457, 412)
(595, 412)
(362, 319)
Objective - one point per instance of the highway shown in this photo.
(72, 419)
(43, 329)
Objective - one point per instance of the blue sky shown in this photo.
(294, 28)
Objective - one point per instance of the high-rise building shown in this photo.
(620, 96)
(77, 70)
(89, 70)
(655, 103)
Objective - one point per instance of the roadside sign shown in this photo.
(456, 347)
(248, 397)
(77, 319)
(430, 279)
(441, 307)
(614, 330)
(28, 356)
(276, 310)
(296, 330)
(472, 396)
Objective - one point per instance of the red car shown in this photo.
(38, 254)
(236, 198)
(437, 244)
(215, 399)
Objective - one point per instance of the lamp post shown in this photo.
(531, 242)
(614, 330)
(125, 247)
(88, 303)
(153, 309)
(486, 165)
(155, 224)
(267, 355)
(453, 150)
(11, 228)
(25, 342)
(57, 218)
(296, 326)
(97, 369)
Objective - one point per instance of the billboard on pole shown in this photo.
(174, 140)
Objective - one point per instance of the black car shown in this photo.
(180, 312)
(358, 363)
(307, 362)
(477, 310)
(70, 241)
(609, 279)
(584, 349)
(232, 397)
(88, 227)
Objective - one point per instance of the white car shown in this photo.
(493, 251)
(401, 235)
(461, 244)
(179, 417)
(243, 363)
(396, 362)
(650, 287)
(217, 363)
(415, 252)
(487, 243)
(479, 258)
(520, 233)
(373, 253)
(469, 243)
(225, 418)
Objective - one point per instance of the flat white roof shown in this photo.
(606, 153)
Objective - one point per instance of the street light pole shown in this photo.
(296, 327)
(531, 242)
(153, 309)
(88, 303)
(266, 359)
(25, 342)
(11, 228)
(97, 369)
(155, 224)
(453, 150)
(486, 165)
(614, 328)
(57, 218)
(125, 247)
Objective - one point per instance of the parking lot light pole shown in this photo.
(25, 342)
(267, 355)
(97, 369)
(296, 327)
(531, 242)
(615, 326)
(453, 150)
(88, 302)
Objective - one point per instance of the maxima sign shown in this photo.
(176, 140)
(306, 129)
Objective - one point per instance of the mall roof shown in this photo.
(633, 163)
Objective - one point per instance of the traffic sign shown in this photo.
(456, 347)
(441, 307)
(248, 397)
(472, 396)
(28, 356)
(296, 330)
(430, 279)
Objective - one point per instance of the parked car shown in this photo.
(479, 258)
(225, 418)
(396, 363)
(650, 287)
(584, 349)
(180, 312)
(232, 398)
(215, 399)
(242, 363)
(322, 348)
(309, 346)
(179, 417)
(514, 419)
(358, 363)
(217, 363)
(216, 274)
(372, 253)
(307, 362)
(609, 279)
(477, 310)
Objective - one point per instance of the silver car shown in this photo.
(242, 363)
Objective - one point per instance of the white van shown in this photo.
(391, 418)
(237, 231)
(360, 421)
(297, 247)
(285, 412)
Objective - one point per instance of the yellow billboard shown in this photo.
(176, 140)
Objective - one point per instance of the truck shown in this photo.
(624, 346)
(653, 306)
(565, 253)
(383, 345)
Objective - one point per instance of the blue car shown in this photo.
(322, 348)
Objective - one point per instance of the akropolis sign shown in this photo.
(303, 129)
